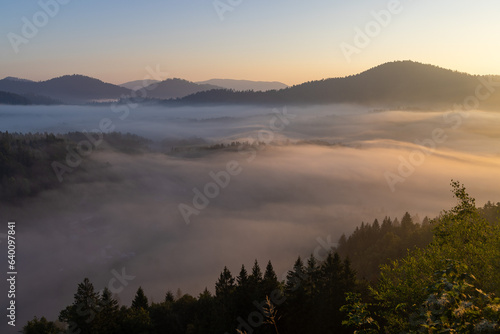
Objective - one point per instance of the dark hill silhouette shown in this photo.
(394, 84)
(68, 88)
(14, 99)
(176, 88)
(41, 99)
(400, 83)
(18, 79)
(81, 88)
(16, 86)
(134, 85)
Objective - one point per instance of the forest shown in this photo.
(401, 276)
(28, 161)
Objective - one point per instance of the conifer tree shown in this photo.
(108, 313)
(140, 300)
(81, 316)
(270, 281)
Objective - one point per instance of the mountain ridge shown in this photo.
(390, 84)
(398, 83)
(70, 89)
(176, 88)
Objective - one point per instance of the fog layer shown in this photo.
(281, 200)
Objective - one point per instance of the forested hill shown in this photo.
(31, 162)
(400, 83)
(435, 285)
(26, 99)
(373, 245)
(174, 88)
(11, 98)
(393, 84)
(68, 88)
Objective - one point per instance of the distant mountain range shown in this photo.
(17, 79)
(138, 84)
(399, 83)
(244, 85)
(26, 99)
(70, 89)
(176, 88)
(15, 99)
(79, 89)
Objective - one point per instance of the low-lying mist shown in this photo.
(322, 171)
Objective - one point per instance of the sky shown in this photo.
(288, 41)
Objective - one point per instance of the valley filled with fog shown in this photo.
(318, 172)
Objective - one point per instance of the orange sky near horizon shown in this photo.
(287, 42)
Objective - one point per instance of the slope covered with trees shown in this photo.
(254, 302)
(27, 160)
(68, 88)
(448, 285)
(14, 99)
(394, 84)
(176, 88)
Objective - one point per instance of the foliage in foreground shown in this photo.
(446, 287)
(373, 245)
(252, 302)
(449, 286)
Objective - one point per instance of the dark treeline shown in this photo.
(184, 147)
(372, 245)
(25, 163)
(26, 99)
(14, 99)
(431, 284)
(26, 160)
(253, 301)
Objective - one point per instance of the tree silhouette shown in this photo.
(82, 314)
(41, 326)
(140, 300)
(108, 313)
